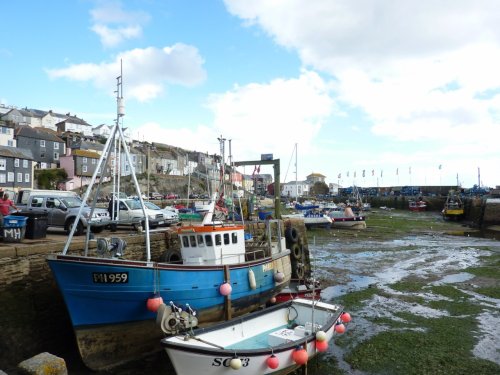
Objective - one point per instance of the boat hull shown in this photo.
(211, 353)
(106, 299)
(356, 222)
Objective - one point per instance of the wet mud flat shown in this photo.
(424, 295)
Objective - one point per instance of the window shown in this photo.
(94, 161)
(208, 240)
(19, 177)
(226, 239)
(42, 154)
(25, 163)
(10, 143)
(16, 163)
(37, 202)
(84, 168)
(26, 177)
(200, 241)
(56, 156)
(3, 164)
(185, 241)
(84, 160)
(56, 145)
(192, 240)
(218, 239)
(42, 143)
(10, 176)
(3, 178)
(234, 237)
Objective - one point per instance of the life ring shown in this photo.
(296, 251)
(171, 256)
(300, 270)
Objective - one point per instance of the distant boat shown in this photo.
(312, 219)
(276, 340)
(417, 206)
(453, 207)
(347, 219)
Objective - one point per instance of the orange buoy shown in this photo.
(273, 362)
(339, 328)
(346, 317)
(225, 289)
(321, 346)
(300, 356)
(153, 303)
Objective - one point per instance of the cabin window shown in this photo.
(200, 241)
(208, 240)
(226, 239)
(234, 237)
(192, 239)
(185, 241)
(218, 241)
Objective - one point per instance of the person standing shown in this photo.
(6, 204)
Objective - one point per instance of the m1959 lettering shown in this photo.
(110, 277)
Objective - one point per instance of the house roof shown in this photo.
(14, 152)
(316, 175)
(87, 154)
(37, 133)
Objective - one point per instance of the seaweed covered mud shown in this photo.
(424, 295)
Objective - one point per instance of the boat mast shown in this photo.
(296, 181)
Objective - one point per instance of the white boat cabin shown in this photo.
(212, 245)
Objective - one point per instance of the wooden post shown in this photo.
(227, 299)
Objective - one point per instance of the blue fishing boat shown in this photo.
(112, 294)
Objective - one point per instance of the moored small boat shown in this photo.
(417, 206)
(453, 207)
(275, 340)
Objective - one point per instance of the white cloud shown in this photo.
(114, 25)
(148, 70)
(417, 69)
(258, 118)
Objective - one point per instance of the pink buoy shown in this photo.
(345, 317)
(225, 289)
(153, 303)
(300, 356)
(272, 300)
(339, 328)
(273, 362)
(321, 346)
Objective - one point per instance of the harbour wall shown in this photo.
(478, 212)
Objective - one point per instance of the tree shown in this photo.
(319, 188)
(49, 178)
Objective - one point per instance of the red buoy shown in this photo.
(153, 303)
(345, 317)
(300, 356)
(225, 289)
(273, 362)
(339, 328)
(321, 346)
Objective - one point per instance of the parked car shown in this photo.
(130, 212)
(171, 196)
(155, 196)
(62, 209)
(170, 217)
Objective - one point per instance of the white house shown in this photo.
(295, 189)
(7, 134)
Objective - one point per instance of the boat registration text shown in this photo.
(110, 277)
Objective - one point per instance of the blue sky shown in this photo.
(392, 88)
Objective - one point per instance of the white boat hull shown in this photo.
(212, 349)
